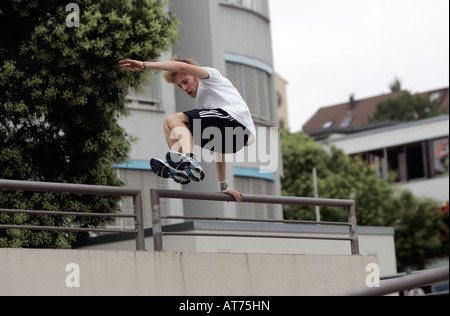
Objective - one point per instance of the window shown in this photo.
(258, 6)
(425, 159)
(255, 87)
(435, 97)
(143, 180)
(256, 186)
(150, 96)
(328, 124)
(347, 121)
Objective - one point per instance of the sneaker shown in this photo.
(185, 163)
(164, 170)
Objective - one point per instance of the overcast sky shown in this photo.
(330, 49)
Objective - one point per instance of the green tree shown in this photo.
(300, 155)
(339, 177)
(406, 107)
(61, 96)
(395, 85)
(421, 232)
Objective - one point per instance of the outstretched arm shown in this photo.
(222, 176)
(172, 66)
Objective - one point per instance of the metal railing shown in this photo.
(416, 290)
(403, 283)
(138, 215)
(158, 232)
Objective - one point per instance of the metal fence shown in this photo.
(158, 232)
(417, 289)
(138, 215)
(156, 195)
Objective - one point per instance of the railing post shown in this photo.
(156, 220)
(354, 243)
(139, 222)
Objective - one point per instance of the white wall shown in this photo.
(436, 188)
(43, 272)
(378, 241)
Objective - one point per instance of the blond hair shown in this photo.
(170, 76)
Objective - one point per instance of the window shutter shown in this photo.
(264, 95)
(254, 86)
(143, 180)
(251, 90)
(150, 95)
(234, 74)
(258, 187)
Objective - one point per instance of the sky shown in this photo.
(328, 50)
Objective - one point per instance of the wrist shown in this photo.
(144, 66)
(223, 186)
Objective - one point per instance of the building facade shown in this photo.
(416, 151)
(234, 37)
(283, 113)
(352, 117)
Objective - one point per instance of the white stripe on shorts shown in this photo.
(214, 113)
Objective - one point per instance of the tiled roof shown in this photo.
(341, 115)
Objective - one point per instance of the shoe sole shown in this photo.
(181, 162)
(164, 170)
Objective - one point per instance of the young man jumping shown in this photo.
(221, 112)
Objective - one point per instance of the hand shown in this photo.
(131, 65)
(237, 195)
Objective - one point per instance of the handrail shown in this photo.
(415, 290)
(158, 233)
(136, 194)
(406, 282)
(156, 215)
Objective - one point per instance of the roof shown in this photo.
(394, 135)
(325, 132)
(355, 112)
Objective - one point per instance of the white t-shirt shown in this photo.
(218, 92)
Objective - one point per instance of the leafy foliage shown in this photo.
(406, 107)
(61, 96)
(395, 85)
(421, 232)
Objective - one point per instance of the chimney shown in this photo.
(353, 103)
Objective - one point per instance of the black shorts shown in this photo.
(217, 131)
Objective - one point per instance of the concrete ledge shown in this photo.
(43, 272)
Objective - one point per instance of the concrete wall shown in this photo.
(436, 188)
(46, 272)
(378, 241)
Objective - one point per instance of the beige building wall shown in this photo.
(376, 241)
(280, 86)
(95, 272)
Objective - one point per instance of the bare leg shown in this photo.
(178, 136)
(221, 167)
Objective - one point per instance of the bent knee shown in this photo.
(176, 119)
